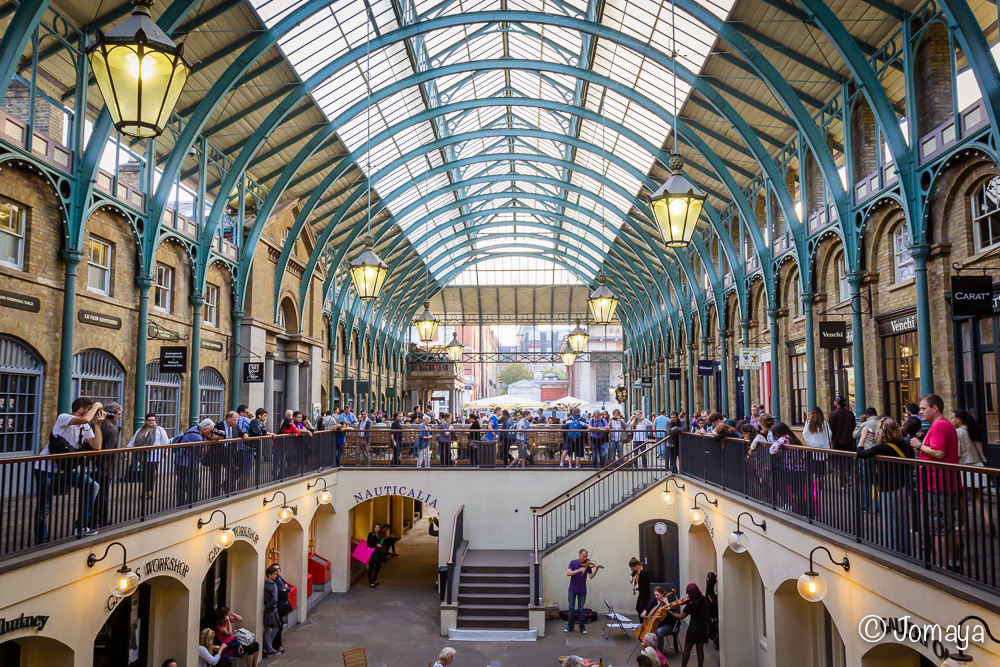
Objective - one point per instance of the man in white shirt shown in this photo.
(639, 425)
(446, 657)
(523, 453)
(74, 428)
(362, 452)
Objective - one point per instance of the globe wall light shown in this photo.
(668, 495)
(961, 659)
(738, 540)
(285, 513)
(697, 514)
(368, 272)
(812, 587)
(125, 581)
(325, 496)
(224, 537)
(139, 71)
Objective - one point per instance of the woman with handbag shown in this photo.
(239, 642)
(211, 654)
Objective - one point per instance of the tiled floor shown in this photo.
(398, 623)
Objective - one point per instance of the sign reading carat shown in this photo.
(971, 296)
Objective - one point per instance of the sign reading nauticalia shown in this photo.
(405, 491)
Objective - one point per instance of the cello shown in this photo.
(658, 614)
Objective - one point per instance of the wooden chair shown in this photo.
(356, 657)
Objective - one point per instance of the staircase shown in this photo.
(494, 591)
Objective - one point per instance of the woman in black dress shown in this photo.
(640, 585)
(475, 428)
(697, 633)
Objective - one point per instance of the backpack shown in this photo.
(508, 430)
(574, 430)
(176, 439)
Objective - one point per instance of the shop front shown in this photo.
(900, 362)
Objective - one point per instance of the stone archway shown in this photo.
(895, 655)
(35, 651)
(809, 637)
(742, 603)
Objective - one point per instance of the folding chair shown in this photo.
(356, 657)
(611, 620)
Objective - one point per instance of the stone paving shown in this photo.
(399, 622)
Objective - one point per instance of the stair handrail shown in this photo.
(458, 529)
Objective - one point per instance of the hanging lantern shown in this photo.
(603, 303)
(677, 206)
(140, 73)
(578, 338)
(368, 272)
(455, 348)
(568, 355)
(427, 324)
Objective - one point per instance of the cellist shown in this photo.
(655, 617)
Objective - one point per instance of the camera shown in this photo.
(219, 433)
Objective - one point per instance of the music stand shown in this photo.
(610, 621)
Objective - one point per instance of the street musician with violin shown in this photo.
(640, 584)
(578, 571)
(697, 610)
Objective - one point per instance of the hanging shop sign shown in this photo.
(674, 374)
(832, 335)
(253, 371)
(971, 296)
(706, 367)
(19, 301)
(621, 394)
(23, 622)
(347, 387)
(364, 387)
(750, 358)
(390, 392)
(99, 319)
(647, 382)
(212, 345)
(898, 325)
(173, 359)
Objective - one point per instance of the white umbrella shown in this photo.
(567, 402)
(504, 402)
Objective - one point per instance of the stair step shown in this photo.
(496, 569)
(493, 598)
(469, 610)
(494, 578)
(493, 622)
(481, 635)
(493, 589)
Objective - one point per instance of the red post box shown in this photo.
(319, 569)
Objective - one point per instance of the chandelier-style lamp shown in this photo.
(427, 324)
(677, 206)
(578, 338)
(368, 272)
(567, 354)
(455, 348)
(140, 73)
(603, 303)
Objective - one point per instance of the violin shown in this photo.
(634, 578)
(658, 614)
(589, 562)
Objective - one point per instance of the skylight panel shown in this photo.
(515, 272)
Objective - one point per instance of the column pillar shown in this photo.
(808, 299)
(920, 253)
(72, 260)
(235, 378)
(772, 318)
(858, 347)
(139, 404)
(692, 369)
(724, 369)
(292, 385)
(745, 326)
(269, 388)
(666, 383)
(706, 380)
(194, 398)
(332, 370)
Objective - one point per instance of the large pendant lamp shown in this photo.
(578, 338)
(567, 354)
(140, 73)
(427, 324)
(455, 348)
(603, 303)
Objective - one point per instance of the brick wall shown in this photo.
(49, 120)
(864, 143)
(932, 69)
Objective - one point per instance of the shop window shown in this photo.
(163, 396)
(11, 235)
(20, 383)
(98, 376)
(843, 286)
(902, 372)
(212, 389)
(842, 374)
(163, 288)
(901, 253)
(211, 305)
(986, 215)
(797, 368)
(99, 266)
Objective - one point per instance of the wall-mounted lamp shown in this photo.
(668, 495)
(224, 537)
(286, 513)
(125, 580)
(811, 585)
(962, 660)
(325, 496)
(738, 541)
(697, 515)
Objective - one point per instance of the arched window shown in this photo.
(20, 383)
(98, 375)
(901, 253)
(163, 396)
(986, 215)
(212, 389)
(281, 319)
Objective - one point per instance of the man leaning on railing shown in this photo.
(187, 460)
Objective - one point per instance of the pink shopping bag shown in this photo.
(363, 552)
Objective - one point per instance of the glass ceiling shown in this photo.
(507, 271)
(421, 191)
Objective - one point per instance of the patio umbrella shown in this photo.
(567, 402)
(504, 402)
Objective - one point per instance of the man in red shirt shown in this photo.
(939, 486)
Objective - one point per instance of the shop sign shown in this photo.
(390, 392)
(19, 301)
(249, 534)
(647, 382)
(173, 359)
(158, 565)
(674, 373)
(798, 348)
(99, 319)
(212, 345)
(832, 335)
(364, 387)
(347, 387)
(899, 325)
(751, 358)
(971, 296)
(253, 371)
(706, 367)
(404, 491)
(621, 395)
(23, 622)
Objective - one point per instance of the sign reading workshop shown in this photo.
(832, 335)
(971, 296)
(173, 359)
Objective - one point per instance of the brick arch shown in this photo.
(949, 217)
(787, 280)
(878, 241)
(825, 282)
